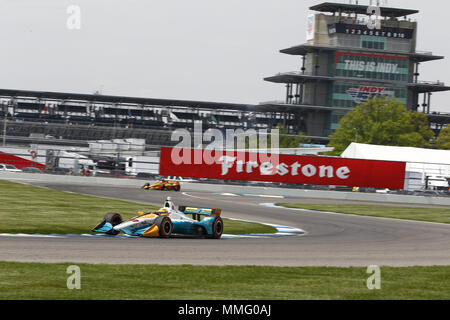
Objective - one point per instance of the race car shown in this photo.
(163, 185)
(150, 225)
(166, 221)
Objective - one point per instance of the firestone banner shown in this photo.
(244, 166)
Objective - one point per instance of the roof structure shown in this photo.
(93, 98)
(304, 49)
(333, 7)
(300, 77)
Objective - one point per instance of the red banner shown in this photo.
(19, 162)
(196, 163)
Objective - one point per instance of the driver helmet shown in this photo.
(163, 211)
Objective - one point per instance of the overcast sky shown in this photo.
(209, 50)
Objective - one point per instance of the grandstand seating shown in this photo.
(124, 116)
(29, 106)
(96, 120)
(157, 137)
(227, 118)
(71, 108)
(187, 116)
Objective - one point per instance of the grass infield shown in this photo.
(39, 281)
(28, 209)
(440, 215)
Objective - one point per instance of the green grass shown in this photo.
(440, 215)
(48, 281)
(29, 209)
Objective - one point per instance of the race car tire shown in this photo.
(217, 228)
(177, 188)
(114, 218)
(165, 226)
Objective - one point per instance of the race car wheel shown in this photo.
(217, 228)
(165, 226)
(115, 219)
(177, 188)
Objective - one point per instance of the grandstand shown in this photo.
(72, 117)
(69, 116)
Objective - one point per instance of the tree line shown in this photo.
(379, 121)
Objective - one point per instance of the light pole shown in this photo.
(5, 121)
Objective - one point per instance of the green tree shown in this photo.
(289, 141)
(382, 121)
(443, 141)
(285, 140)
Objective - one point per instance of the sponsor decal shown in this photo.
(363, 93)
(245, 166)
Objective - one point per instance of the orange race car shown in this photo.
(163, 185)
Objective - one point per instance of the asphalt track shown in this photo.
(331, 240)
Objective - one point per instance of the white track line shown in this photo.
(273, 205)
(249, 195)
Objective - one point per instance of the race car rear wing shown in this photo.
(200, 211)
